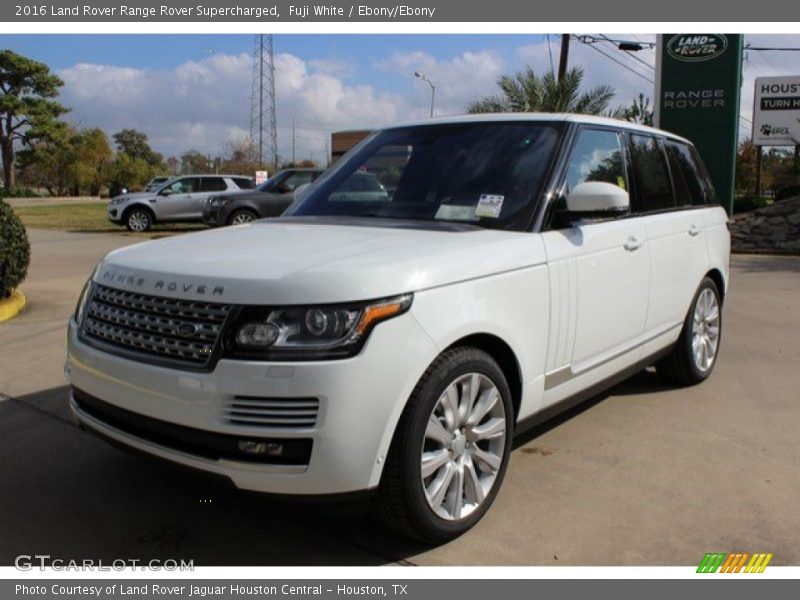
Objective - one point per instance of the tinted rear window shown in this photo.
(692, 185)
(654, 190)
(244, 183)
(214, 184)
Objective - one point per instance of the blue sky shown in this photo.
(192, 91)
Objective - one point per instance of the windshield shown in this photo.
(271, 184)
(485, 173)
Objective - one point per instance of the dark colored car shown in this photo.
(269, 199)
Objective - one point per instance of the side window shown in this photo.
(295, 180)
(597, 156)
(652, 175)
(685, 161)
(213, 184)
(244, 183)
(185, 185)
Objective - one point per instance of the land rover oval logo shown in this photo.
(187, 329)
(696, 47)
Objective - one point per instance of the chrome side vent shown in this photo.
(285, 413)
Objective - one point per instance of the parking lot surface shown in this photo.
(645, 474)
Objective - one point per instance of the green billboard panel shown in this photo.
(698, 88)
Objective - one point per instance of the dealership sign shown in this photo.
(698, 83)
(696, 48)
(776, 111)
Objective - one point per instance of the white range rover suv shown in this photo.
(395, 345)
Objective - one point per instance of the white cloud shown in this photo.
(459, 80)
(203, 103)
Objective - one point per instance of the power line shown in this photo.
(620, 63)
(771, 49)
(629, 53)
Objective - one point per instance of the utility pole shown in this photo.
(263, 117)
(564, 57)
(758, 171)
(293, 142)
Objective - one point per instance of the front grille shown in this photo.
(178, 331)
(286, 413)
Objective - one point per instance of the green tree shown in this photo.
(135, 145)
(639, 111)
(28, 112)
(93, 156)
(527, 92)
(132, 173)
(194, 161)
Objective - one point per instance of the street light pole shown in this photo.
(430, 83)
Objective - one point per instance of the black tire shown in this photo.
(138, 219)
(400, 503)
(244, 212)
(680, 366)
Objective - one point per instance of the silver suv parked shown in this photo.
(181, 199)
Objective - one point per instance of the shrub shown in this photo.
(748, 203)
(17, 192)
(15, 251)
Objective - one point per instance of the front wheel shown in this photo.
(695, 353)
(240, 217)
(450, 450)
(138, 219)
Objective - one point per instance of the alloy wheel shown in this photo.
(705, 330)
(138, 221)
(242, 218)
(463, 447)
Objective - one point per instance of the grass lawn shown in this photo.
(89, 217)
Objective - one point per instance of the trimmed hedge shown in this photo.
(15, 251)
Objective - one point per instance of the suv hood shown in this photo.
(289, 261)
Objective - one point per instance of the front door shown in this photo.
(177, 201)
(599, 278)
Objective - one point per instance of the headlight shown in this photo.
(118, 200)
(308, 332)
(83, 301)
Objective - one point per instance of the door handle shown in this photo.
(694, 230)
(152, 200)
(632, 243)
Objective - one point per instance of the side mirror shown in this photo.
(597, 198)
(285, 188)
(165, 192)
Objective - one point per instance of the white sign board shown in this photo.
(776, 111)
(261, 177)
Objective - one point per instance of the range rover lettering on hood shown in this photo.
(201, 289)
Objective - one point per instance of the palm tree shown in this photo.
(528, 92)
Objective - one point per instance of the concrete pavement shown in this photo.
(645, 474)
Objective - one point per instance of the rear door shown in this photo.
(599, 274)
(668, 198)
(208, 187)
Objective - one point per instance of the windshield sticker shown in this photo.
(455, 212)
(489, 205)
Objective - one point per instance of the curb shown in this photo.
(12, 306)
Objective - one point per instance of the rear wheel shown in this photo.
(242, 216)
(138, 219)
(695, 353)
(450, 450)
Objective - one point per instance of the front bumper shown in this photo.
(360, 402)
(114, 213)
(212, 215)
